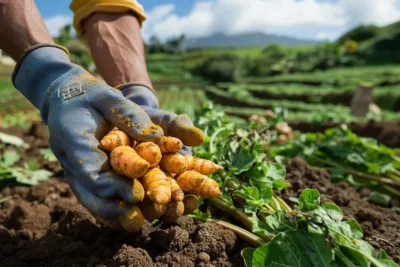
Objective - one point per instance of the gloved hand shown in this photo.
(79, 110)
(179, 126)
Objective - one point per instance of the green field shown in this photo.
(316, 97)
(339, 76)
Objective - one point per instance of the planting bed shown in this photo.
(387, 133)
(44, 225)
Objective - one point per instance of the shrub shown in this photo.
(221, 68)
(360, 33)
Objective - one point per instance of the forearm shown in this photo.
(117, 48)
(21, 27)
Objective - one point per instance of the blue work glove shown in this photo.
(179, 126)
(79, 110)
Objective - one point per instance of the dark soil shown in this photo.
(387, 133)
(44, 225)
(342, 98)
(381, 225)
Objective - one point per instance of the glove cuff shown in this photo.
(38, 69)
(139, 94)
(31, 49)
(121, 87)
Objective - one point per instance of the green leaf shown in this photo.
(265, 173)
(280, 184)
(40, 175)
(309, 199)
(24, 176)
(362, 254)
(296, 249)
(260, 227)
(245, 159)
(333, 211)
(12, 140)
(250, 209)
(201, 214)
(356, 230)
(9, 159)
(258, 173)
(266, 194)
(355, 158)
(275, 171)
(279, 222)
(247, 255)
(32, 165)
(385, 259)
(48, 154)
(259, 256)
(258, 151)
(248, 193)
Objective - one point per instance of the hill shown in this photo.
(246, 40)
(377, 45)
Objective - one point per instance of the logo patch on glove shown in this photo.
(71, 90)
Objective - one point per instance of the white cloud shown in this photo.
(379, 12)
(55, 23)
(305, 18)
(327, 35)
(323, 36)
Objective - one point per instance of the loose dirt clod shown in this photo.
(203, 257)
(130, 256)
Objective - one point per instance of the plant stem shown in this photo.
(359, 174)
(275, 204)
(213, 138)
(396, 172)
(369, 257)
(283, 204)
(343, 258)
(5, 199)
(396, 159)
(393, 176)
(239, 215)
(382, 180)
(366, 176)
(391, 190)
(246, 235)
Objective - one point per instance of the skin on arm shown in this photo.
(117, 48)
(21, 27)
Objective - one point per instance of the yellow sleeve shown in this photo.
(84, 8)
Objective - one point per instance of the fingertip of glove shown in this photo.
(182, 128)
(133, 220)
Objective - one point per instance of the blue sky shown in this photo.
(49, 8)
(311, 19)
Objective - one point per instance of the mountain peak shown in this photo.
(255, 39)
